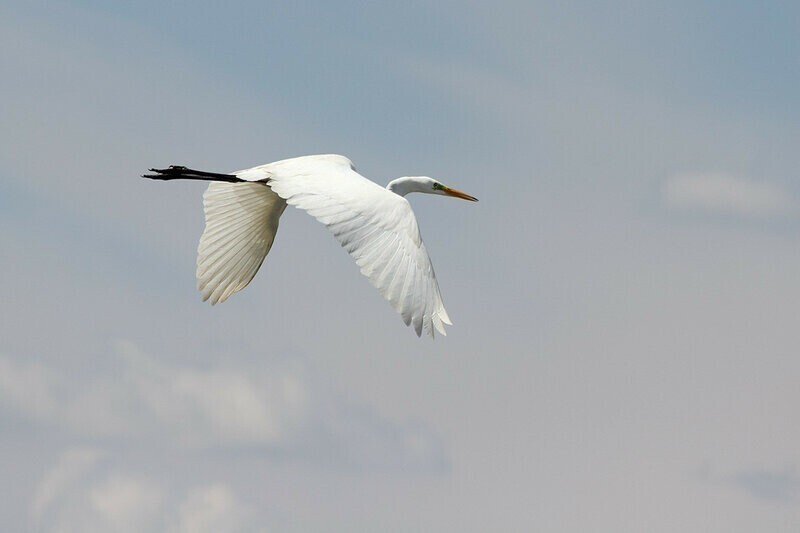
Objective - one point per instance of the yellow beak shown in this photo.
(458, 194)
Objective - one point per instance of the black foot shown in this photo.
(178, 172)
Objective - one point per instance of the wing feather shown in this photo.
(241, 221)
(376, 226)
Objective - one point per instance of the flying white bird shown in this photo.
(374, 224)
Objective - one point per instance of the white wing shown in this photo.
(241, 221)
(376, 226)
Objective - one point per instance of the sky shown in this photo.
(625, 349)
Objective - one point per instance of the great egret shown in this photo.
(374, 224)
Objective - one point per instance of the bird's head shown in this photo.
(424, 184)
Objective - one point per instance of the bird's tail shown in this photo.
(177, 172)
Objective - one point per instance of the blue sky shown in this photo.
(624, 350)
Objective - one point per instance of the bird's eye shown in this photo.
(437, 186)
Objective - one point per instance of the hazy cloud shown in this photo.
(774, 485)
(125, 502)
(71, 465)
(597, 351)
(146, 410)
(726, 194)
(212, 509)
(279, 408)
(85, 492)
(27, 388)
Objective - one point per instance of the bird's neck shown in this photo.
(405, 185)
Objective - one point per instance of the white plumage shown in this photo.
(374, 224)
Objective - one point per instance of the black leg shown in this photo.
(177, 172)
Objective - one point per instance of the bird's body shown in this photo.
(374, 224)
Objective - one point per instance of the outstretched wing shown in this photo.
(376, 226)
(241, 221)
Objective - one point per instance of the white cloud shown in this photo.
(126, 502)
(71, 465)
(212, 509)
(197, 407)
(723, 193)
(83, 493)
(214, 405)
(278, 407)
